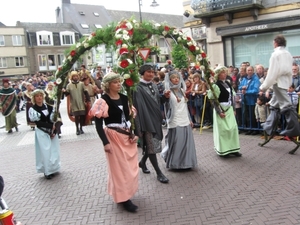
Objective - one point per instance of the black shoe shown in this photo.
(59, 136)
(81, 132)
(224, 156)
(78, 132)
(161, 178)
(17, 129)
(237, 154)
(48, 177)
(129, 206)
(10, 131)
(144, 168)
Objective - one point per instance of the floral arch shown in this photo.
(127, 37)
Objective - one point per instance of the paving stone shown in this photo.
(261, 187)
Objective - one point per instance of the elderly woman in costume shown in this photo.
(225, 126)
(78, 97)
(8, 101)
(120, 145)
(179, 151)
(47, 149)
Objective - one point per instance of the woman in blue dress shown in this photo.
(47, 149)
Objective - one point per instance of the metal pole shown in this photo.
(140, 2)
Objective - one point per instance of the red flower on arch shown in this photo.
(167, 28)
(73, 53)
(124, 63)
(129, 82)
(203, 55)
(192, 48)
(119, 42)
(123, 51)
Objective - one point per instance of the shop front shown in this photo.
(253, 42)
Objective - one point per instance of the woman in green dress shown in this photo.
(225, 129)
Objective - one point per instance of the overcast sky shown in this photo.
(43, 11)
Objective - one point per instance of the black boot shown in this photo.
(292, 128)
(142, 163)
(129, 206)
(160, 176)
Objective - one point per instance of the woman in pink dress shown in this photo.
(120, 145)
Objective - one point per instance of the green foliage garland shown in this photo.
(126, 38)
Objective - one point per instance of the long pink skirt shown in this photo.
(123, 167)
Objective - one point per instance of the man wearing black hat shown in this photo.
(148, 120)
(8, 101)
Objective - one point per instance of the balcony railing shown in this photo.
(209, 8)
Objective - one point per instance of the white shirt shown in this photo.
(280, 69)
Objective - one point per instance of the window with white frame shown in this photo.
(44, 38)
(2, 41)
(60, 59)
(85, 26)
(51, 60)
(67, 38)
(42, 60)
(98, 26)
(3, 63)
(19, 61)
(17, 40)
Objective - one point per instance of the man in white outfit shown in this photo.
(280, 77)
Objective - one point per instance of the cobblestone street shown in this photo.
(262, 187)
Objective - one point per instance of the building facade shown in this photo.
(14, 59)
(243, 30)
(88, 18)
(47, 43)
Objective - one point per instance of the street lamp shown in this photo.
(140, 3)
(153, 4)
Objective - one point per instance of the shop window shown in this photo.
(242, 54)
(263, 53)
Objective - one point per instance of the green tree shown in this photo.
(179, 56)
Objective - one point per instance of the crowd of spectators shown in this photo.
(251, 104)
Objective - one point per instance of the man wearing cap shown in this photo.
(8, 101)
(149, 118)
(84, 73)
(78, 96)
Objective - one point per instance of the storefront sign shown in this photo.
(260, 27)
(266, 25)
